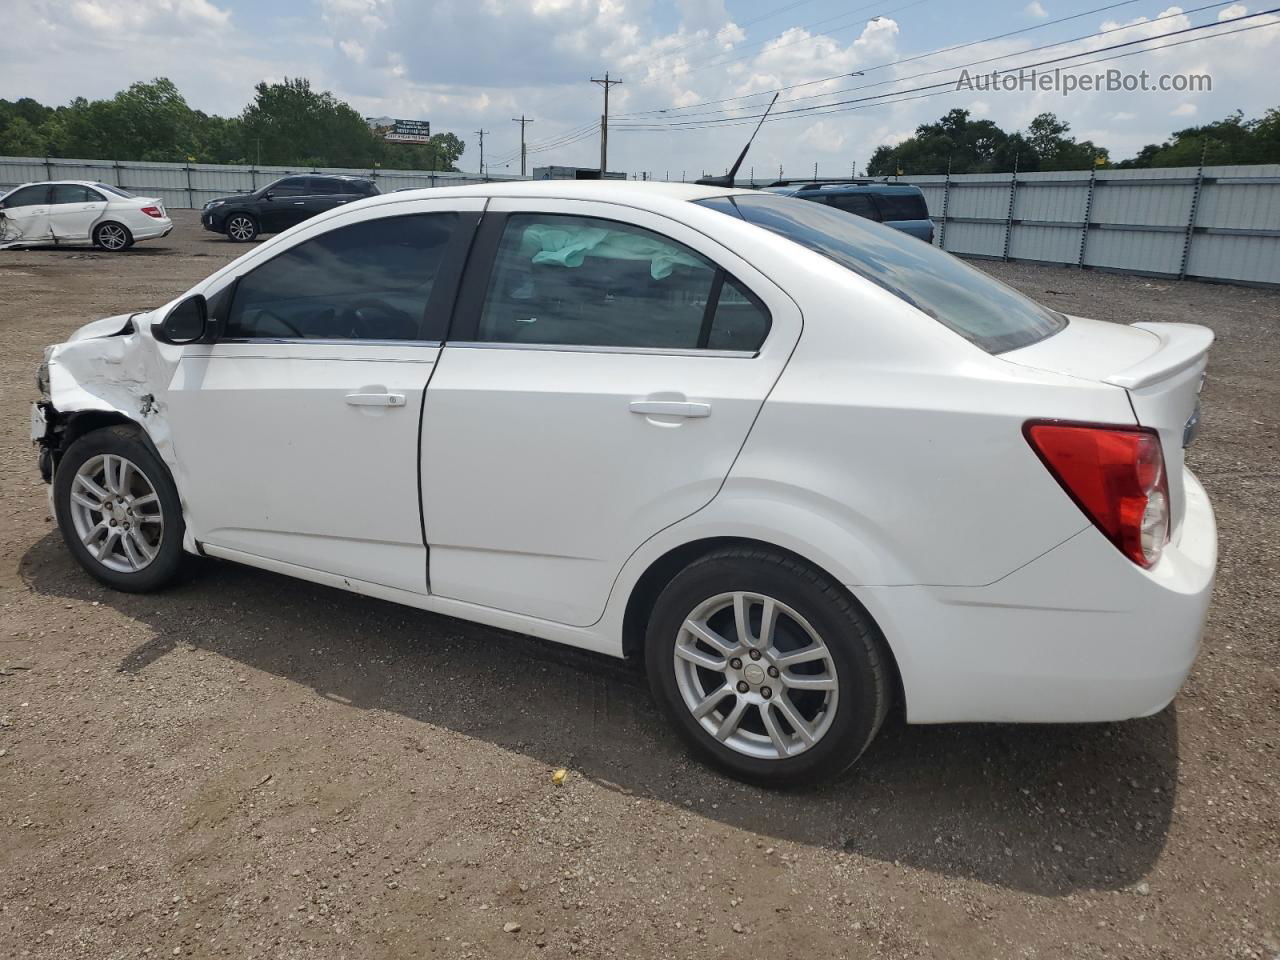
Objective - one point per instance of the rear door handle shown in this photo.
(376, 399)
(671, 408)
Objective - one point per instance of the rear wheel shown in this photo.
(112, 236)
(767, 667)
(241, 227)
(118, 510)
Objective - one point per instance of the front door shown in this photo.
(74, 210)
(284, 204)
(26, 214)
(297, 432)
(604, 369)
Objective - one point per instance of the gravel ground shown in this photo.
(252, 766)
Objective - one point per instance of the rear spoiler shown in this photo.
(1181, 346)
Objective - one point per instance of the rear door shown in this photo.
(26, 212)
(603, 370)
(327, 193)
(74, 210)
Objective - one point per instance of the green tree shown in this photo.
(289, 123)
(1232, 139)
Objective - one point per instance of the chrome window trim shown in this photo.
(329, 341)
(583, 348)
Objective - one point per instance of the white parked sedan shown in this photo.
(800, 463)
(66, 212)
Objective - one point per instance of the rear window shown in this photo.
(975, 305)
(115, 190)
(902, 206)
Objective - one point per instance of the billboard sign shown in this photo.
(402, 131)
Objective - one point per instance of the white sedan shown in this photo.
(66, 212)
(799, 463)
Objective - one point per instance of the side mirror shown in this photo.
(268, 195)
(187, 322)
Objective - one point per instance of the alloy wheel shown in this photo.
(240, 228)
(116, 513)
(756, 675)
(112, 237)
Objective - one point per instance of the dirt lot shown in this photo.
(251, 766)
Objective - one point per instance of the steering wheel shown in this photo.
(364, 327)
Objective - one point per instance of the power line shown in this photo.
(862, 103)
(891, 63)
(810, 110)
(537, 146)
(604, 121)
(480, 134)
(974, 63)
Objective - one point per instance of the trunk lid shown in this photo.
(1160, 365)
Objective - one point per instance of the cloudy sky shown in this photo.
(691, 68)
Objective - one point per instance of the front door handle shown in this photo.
(376, 399)
(299, 203)
(670, 408)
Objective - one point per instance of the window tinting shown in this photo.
(858, 204)
(290, 187)
(901, 206)
(370, 281)
(75, 193)
(327, 185)
(582, 281)
(968, 301)
(28, 196)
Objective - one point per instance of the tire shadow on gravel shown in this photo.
(1043, 809)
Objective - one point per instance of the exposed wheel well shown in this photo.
(662, 571)
(76, 425)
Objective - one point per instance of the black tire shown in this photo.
(241, 227)
(127, 442)
(112, 237)
(857, 652)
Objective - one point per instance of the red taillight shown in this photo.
(1116, 476)
(154, 212)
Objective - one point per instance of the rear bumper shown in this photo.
(153, 230)
(1080, 634)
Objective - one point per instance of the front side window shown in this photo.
(582, 281)
(75, 193)
(289, 187)
(27, 197)
(371, 280)
(974, 304)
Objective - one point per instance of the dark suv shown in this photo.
(898, 205)
(279, 205)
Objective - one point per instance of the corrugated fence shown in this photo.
(1214, 223)
(191, 184)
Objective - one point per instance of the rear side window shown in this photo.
(115, 190)
(581, 281)
(326, 186)
(75, 193)
(372, 280)
(27, 197)
(901, 206)
(975, 305)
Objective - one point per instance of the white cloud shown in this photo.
(823, 136)
(353, 50)
(1233, 11)
(149, 16)
(1183, 110)
(1036, 9)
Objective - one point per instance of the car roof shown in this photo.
(605, 190)
(795, 189)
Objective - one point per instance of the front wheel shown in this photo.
(118, 510)
(767, 667)
(241, 227)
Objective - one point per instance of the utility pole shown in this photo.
(480, 134)
(522, 120)
(604, 122)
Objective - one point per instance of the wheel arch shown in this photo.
(661, 571)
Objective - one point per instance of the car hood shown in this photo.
(106, 327)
